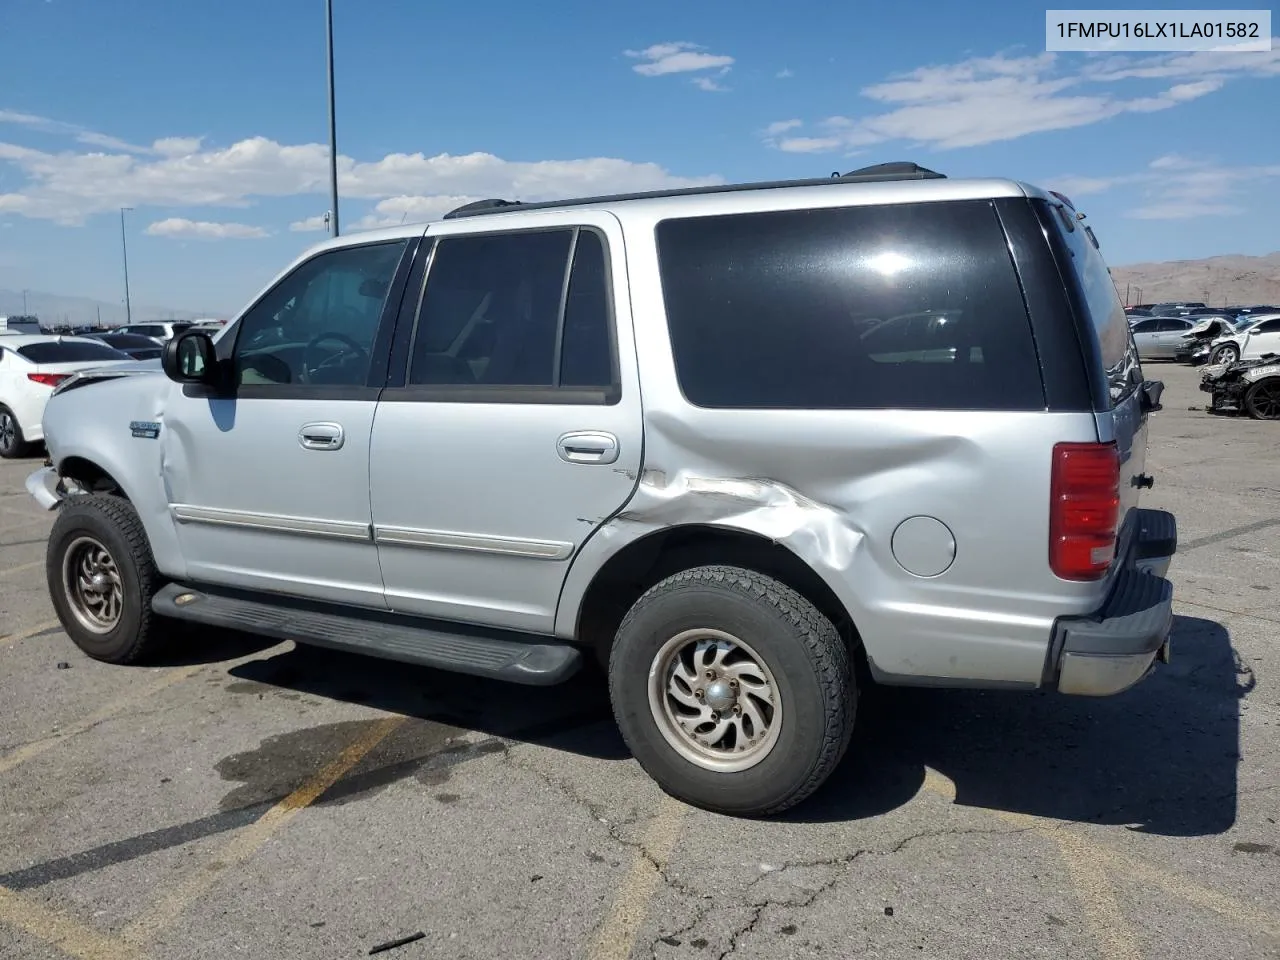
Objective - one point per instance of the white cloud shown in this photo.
(1174, 187)
(991, 99)
(203, 230)
(61, 127)
(176, 146)
(409, 209)
(710, 84)
(310, 224)
(784, 74)
(677, 57)
(67, 187)
(779, 127)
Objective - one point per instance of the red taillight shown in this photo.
(48, 379)
(1084, 509)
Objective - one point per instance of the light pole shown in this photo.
(25, 312)
(124, 249)
(333, 128)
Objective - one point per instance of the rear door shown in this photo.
(1169, 334)
(514, 429)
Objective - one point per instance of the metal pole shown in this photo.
(124, 247)
(333, 127)
(25, 312)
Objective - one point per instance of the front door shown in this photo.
(1262, 339)
(268, 481)
(515, 430)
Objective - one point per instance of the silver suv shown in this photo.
(751, 447)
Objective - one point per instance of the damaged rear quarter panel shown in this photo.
(832, 486)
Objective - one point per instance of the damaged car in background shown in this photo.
(1246, 386)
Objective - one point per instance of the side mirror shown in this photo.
(191, 358)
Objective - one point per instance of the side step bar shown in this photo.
(532, 663)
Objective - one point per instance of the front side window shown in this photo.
(317, 326)
(522, 309)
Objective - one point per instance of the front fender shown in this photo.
(97, 423)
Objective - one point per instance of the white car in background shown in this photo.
(31, 365)
(159, 332)
(1256, 338)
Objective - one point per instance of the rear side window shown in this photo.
(1105, 313)
(901, 306)
(70, 352)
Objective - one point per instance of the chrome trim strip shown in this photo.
(271, 523)
(447, 540)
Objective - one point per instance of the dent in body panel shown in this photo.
(832, 488)
(77, 428)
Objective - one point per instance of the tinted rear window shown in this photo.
(896, 306)
(1105, 312)
(66, 352)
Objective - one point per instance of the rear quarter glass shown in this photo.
(1106, 335)
(906, 306)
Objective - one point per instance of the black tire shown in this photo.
(112, 524)
(12, 443)
(1262, 399)
(1221, 354)
(810, 667)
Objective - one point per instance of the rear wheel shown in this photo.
(102, 577)
(733, 691)
(1262, 400)
(12, 443)
(1227, 353)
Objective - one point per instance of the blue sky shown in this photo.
(210, 121)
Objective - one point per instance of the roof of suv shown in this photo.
(884, 183)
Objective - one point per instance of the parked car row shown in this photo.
(31, 366)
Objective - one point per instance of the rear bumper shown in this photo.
(1117, 646)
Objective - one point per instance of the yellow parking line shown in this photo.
(9, 638)
(616, 937)
(1084, 862)
(22, 566)
(248, 840)
(1102, 912)
(57, 929)
(1243, 914)
(106, 712)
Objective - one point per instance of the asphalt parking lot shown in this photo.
(247, 799)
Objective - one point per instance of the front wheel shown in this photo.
(1262, 400)
(733, 692)
(102, 577)
(1227, 353)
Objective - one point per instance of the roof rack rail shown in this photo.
(480, 206)
(896, 170)
(893, 170)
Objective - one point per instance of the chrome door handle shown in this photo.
(587, 446)
(321, 436)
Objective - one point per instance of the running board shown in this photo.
(532, 662)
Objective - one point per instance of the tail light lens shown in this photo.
(1084, 509)
(47, 379)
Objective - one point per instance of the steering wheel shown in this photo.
(351, 347)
